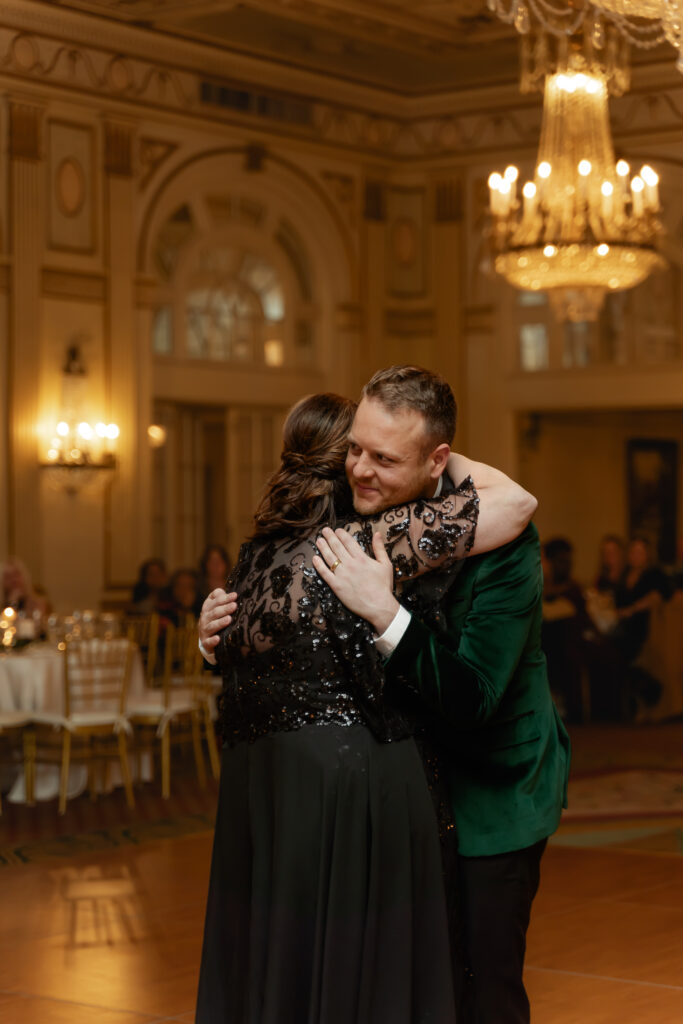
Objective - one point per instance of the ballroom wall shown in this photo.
(125, 171)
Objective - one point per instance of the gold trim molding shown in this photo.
(410, 323)
(64, 284)
(88, 68)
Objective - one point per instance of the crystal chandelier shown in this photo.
(645, 23)
(641, 23)
(584, 226)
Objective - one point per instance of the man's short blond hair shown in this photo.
(413, 387)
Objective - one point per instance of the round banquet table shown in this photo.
(32, 679)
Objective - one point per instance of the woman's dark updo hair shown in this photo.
(309, 489)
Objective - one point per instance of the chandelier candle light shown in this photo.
(584, 225)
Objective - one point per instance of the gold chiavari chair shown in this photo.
(173, 713)
(204, 686)
(93, 726)
(144, 631)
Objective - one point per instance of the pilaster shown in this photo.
(27, 219)
(449, 281)
(126, 519)
(373, 278)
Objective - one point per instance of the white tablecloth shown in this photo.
(33, 680)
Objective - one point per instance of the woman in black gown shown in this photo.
(326, 902)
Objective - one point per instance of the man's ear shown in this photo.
(438, 460)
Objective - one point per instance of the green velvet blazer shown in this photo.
(480, 669)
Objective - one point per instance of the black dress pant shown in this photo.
(495, 896)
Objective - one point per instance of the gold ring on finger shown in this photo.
(334, 565)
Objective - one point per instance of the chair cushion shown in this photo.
(80, 719)
(152, 703)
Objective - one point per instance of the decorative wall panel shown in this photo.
(406, 242)
(70, 168)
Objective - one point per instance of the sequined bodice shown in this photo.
(294, 654)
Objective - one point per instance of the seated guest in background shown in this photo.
(214, 569)
(612, 568)
(152, 578)
(18, 591)
(600, 598)
(618, 684)
(181, 598)
(565, 620)
(644, 587)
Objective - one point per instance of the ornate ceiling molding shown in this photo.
(97, 71)
(438, 25)
(48, 62)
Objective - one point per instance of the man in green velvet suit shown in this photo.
(474, 660)
(481, 668)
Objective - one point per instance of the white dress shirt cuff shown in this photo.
(208, 655)
(389, 640)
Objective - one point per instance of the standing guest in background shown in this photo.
(181, 598)
(18, 591)
(152, 578)
(214, 569)
(565, 620)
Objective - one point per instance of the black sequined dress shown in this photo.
(326, 901)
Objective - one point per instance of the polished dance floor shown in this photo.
(101, 919)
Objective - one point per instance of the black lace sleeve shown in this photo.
(427, 534)
(294, 655)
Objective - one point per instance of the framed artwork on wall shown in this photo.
(652, 481)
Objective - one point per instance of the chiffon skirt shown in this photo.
(326, 901)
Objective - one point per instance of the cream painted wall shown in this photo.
(575, 464)
(73, 548)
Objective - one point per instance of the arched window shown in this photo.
(241, 299)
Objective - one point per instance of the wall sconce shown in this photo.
(79, 452)
(156, 435)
